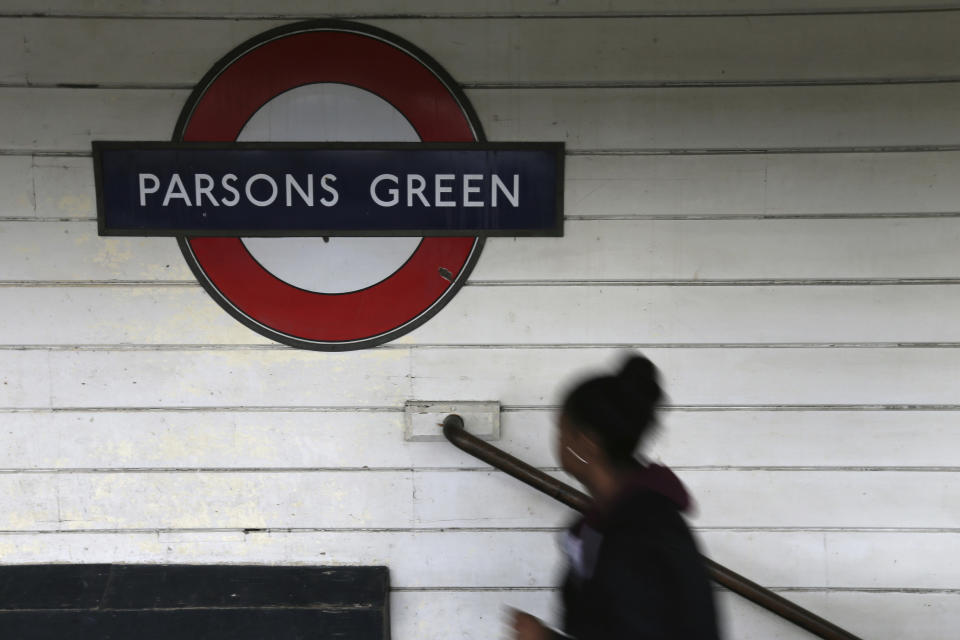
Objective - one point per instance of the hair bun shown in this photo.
(639, 376)
(619, 409)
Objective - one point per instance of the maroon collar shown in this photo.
(653, 479)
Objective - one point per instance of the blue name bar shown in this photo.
(329, 189)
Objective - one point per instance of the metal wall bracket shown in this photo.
(423, 421)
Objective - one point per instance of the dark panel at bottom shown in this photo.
(199, 586)
(193, 602)
(195, 624)
(53, 586)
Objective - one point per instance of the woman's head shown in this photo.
(608, 416)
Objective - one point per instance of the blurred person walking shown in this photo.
(634, 568)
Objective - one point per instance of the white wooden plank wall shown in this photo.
(762, 196)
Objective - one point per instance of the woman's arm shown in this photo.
(528, 627)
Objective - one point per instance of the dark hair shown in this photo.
(619, 409)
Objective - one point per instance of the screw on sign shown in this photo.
(329, 185)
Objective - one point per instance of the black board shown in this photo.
(193, 602)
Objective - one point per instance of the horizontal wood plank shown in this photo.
(16, 186)
(809, 117)
(191, 439)
(524, 315)
(448, 498)
(68, 119)
(732, 376)
(13, 52)
(825, 499)
(719, 315)
(838, 559)
(291, 439)
(515, 377)
(591, 250)
(198, 378)
(768, 185)
(441, 615)
(197, 501)
(895, 439)
(724, 499)
(532, 50)
(417, 559)
(884, 615)
(763, 185)
(308, 8)
(72, 252)
(63, 187)
(687, 49)
(728, 250)
(516, 559)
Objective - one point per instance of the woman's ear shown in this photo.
(586, 444)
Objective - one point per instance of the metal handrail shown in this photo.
(454, 431)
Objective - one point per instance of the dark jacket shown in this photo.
(635, 571)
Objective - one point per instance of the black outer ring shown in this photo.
(349, 27)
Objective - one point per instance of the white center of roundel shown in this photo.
(331, 113)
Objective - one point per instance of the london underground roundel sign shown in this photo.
(345, 68)
(329, 185)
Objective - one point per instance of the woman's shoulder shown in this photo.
(651, 494)
(648, 515)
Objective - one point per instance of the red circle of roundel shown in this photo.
(401, 74)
